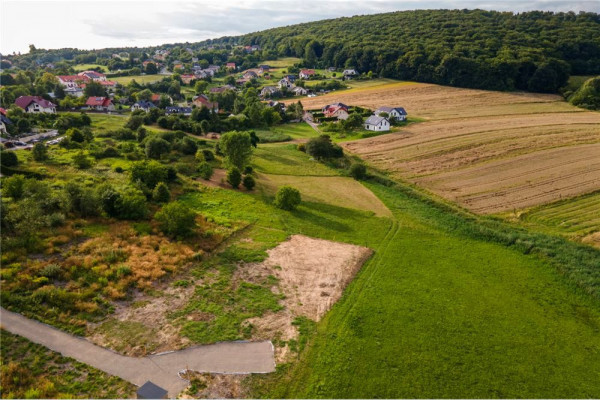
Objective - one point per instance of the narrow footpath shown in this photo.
(161, 369)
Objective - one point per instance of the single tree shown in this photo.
(249, 182)
(161, 193)
(237, 148)
(39, 152)
(205, 170)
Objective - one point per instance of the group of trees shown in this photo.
(470, 48)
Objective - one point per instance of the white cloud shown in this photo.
(89, 24)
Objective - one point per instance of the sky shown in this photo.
(95, 24)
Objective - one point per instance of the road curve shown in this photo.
(161, 369)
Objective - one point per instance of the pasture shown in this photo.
(124, 80)
(577, 218)
(85, 67)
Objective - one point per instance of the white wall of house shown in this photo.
(36, 108)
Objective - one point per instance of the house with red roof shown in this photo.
(187, 78)
(100, 104)
(203, 101)
(72, 81)
(230, 65)
(156, 98)
(93, 75)
(35, 104)
(338, 112)
(307, 73)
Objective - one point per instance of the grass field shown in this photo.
(334, 190)
(577, 218)
(85, 67)
(281, 62)
(437, 314)
(124, 80)
(287, 160)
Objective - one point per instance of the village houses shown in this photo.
(35, 104)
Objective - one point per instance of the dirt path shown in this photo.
(162, 369)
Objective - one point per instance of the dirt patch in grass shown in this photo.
(311, 273)
(214, 386)
(141, 326)
(218, 179)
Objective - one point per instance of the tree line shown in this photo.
(534, 51)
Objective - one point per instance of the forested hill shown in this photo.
(468, 48)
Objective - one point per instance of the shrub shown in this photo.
(234, 177)
(322, 147)
(134, 122)
(13, 186)
(141, 134)
(9, 158)
(51, 271)
(248, 170)
(302, 147)
(186, 146)
(205, 170)
(151, 172)
(81, 161)
(39, 152)
(56, 219)
(155, 147)
(249, 182)
(161, 193)
(287, 198)
(131, 204)
(358, 171)
(176, 220)
(205, 155)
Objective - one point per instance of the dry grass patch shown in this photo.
(335, 190)
(311, 273)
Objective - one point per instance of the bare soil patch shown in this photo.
(153, 333)
(312, 273)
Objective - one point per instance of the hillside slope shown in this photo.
(468, 48)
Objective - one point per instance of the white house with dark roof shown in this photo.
(395, 113)
(375, 123)
(269, 91)
(36, 104)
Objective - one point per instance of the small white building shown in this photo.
(395, 113)
(378, 124)
(349, 73)
(299, 91)
(285, 83)
(269, 91)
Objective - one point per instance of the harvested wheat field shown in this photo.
(335, 190)
(488, 151)
(312, 273)
(442, 102)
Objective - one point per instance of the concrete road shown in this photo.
(161, 369)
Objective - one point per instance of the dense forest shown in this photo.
(534, 51)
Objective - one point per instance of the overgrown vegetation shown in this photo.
(31, 371)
